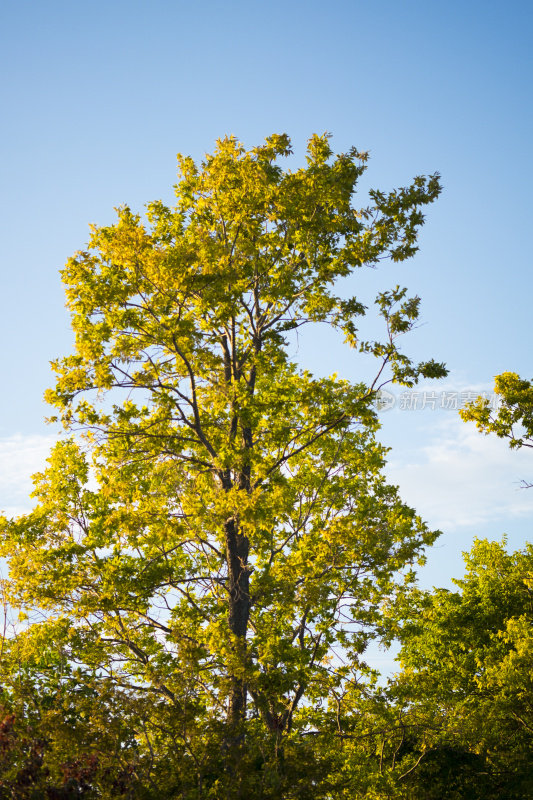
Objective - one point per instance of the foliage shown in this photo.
(215, 548)
(62, 734)
(466, 682)
(514, 417)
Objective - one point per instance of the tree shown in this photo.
(513, 418)
(465, 687)
(221, 536)
(63, 734)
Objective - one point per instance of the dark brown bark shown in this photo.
(238, 547)
(237, 544)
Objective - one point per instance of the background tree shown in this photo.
(221, 538)
(63, 734)
(513, 419)
(464, 691)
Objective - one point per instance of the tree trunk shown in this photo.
(238, 547)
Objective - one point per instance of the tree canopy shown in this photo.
(211, 547)
(513, 419)
(462, 701)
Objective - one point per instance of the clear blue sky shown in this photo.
(99, 97)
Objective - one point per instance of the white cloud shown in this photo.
(20, 457)
(461, 477)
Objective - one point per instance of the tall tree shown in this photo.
(223, 537)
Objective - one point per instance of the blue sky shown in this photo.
(99, 97)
